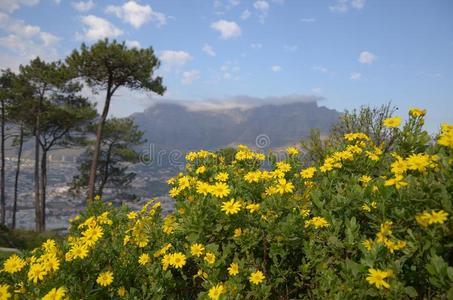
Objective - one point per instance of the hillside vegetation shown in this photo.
(365, 221)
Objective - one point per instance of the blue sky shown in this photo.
(348, 52)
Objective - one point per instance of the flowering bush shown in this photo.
(362, 223)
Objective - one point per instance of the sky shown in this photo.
(346, 53)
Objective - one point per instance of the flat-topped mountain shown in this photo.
(185, 126)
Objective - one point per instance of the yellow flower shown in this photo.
(284, 187)
(121, 291)
(304, 212)
(177, 260)
(233, 269)
(446, 136)
(215, 292)
(4, 294)
(376, 277)
(237, 232)
(200, 170)
(356, 136)
(49, 246)
(50, 263)
(163, 250)
(426, 218)
(419, 162)
(166, 261)
(256, 277)
(283, 166)
(368, 244)
(13, 264)
(417, 112)
(210, 258)
(55, 294)
(132, 215)
(365, 179)
(78, 251)
(168, 227)
(438, 217)
(92, 235)
(202, 274)
(105, 278)
(222, 176)
(253, 176)
(392, 122)
(144, 259)
(197, 249)
(366, 208)
(203, 188)
(397, 182)
(392, 246)
(308, 173)
(36, 273)
(253, 207)
(174, 192)
(292, 150)
(317, 222)
(231, 207)
(220, 190)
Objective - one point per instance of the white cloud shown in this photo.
(83, 6)
(133, 44)
(342, 6)
(24, 42)
(256, 45)
(308, 20)
(98, 28)
(244, 102)
(135, 14)
(189, 76)
(358, 4)
(245, 14)
(230, 70)
(263, 7)
(366, 57)
(227, 29)
(276, 68)
(323, 70)
(316, 90)
(355, 76)
(221, 5)
(173, 58)
(12, 5)
(208, 50)
(291, 48)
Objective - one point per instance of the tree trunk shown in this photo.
(2, 169)
(16, 179)
(105, 174)
(97, 146)
(37, 133)
(43, 184)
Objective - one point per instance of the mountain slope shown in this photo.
(177, 126)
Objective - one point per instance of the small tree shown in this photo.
(6, 80)
(120, 137)
(18, 112)
(368, 120)
(107, 66)
(58, 119)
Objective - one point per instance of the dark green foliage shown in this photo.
(117, 152)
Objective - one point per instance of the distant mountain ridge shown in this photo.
(173, 125)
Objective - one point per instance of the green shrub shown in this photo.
(361, 224)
